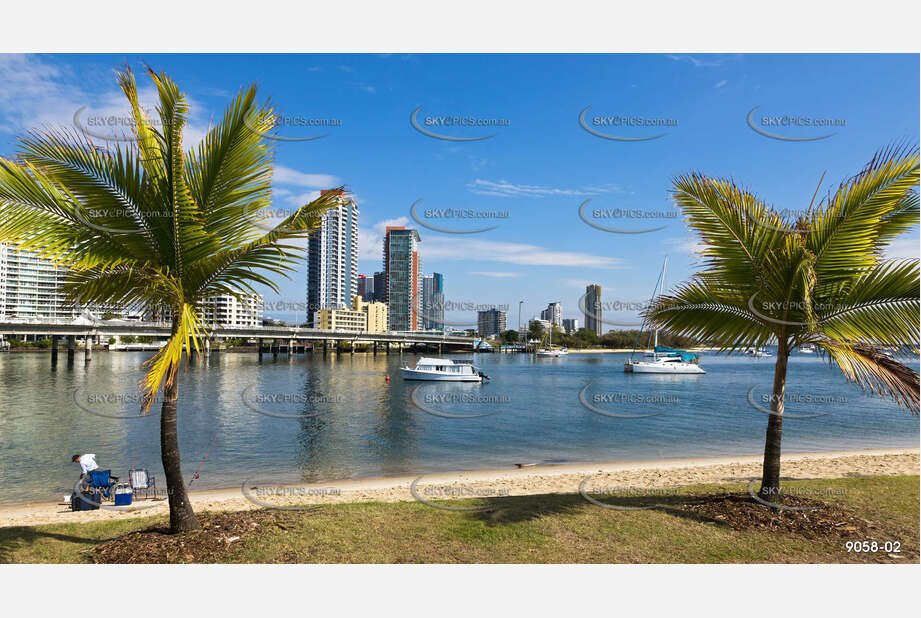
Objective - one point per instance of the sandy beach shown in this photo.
(564, 478)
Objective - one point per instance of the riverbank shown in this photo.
(531, 480)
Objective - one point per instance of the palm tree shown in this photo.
(150, 226)
(820, 279)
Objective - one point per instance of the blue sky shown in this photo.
(540, 167)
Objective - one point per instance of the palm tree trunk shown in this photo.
(770, 472)
(181, 515)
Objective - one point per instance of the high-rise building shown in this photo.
(570, 325)
(404, 278)
(332, 259)
(433, 302)
(221, 311)
(380, 287)
(490, 322)
(592, 308)
(365, 288)
(227, 311)
(553, 314)
(30, 288)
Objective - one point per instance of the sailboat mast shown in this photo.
(655, 340)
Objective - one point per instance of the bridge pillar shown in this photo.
(71, 349)
(88, 348)
(440, 348)
(375, 349)
(259, 346)
(387, 348)
(207, 347)
(351, 347)
(325, 348)
(54, 351)
(274, 346)
(290, 347)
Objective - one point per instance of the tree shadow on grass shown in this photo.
(19, 537)
(514, 509)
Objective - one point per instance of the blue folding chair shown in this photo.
(103, 482)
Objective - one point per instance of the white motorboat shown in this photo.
(758, 353)
(664, 360)
(807, 349)
(443, 370)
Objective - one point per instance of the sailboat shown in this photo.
(549, 350)
(664, 360)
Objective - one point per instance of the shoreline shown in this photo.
(528, 480)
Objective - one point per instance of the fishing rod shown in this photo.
(202, 462)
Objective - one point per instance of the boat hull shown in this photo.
(434, 376)
(666, 368)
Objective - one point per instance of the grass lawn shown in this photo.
(556, 528)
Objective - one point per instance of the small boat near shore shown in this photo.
(443, 370)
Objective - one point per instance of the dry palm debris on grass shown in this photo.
(812, 519)
(218, 532)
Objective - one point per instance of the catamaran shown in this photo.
(443, 370)
(664, 360)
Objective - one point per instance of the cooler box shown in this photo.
(123, 494)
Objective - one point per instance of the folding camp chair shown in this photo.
(142, 481)
(103, 482)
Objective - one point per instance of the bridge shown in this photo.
(280, 338)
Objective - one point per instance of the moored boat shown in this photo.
(664, 360)
(443, 370)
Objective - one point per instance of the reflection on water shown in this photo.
(310, 418)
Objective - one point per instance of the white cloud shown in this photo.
(720, 83)
(288, 176)
(687, 244)
(362, 86)
(487, 273)
(440, 247)
(697, 62)
(503, 188)
(36, 94)
(903, 248)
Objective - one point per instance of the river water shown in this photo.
(313, 419)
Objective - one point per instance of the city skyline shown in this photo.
(544, 251)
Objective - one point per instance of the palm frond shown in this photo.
(873, 371)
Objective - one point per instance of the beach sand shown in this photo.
(540, 479)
